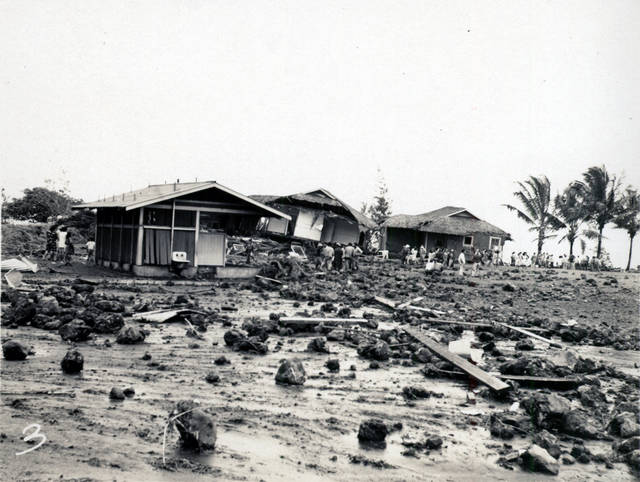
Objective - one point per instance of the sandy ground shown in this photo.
(272, 432)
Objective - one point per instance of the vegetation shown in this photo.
(629, 217)
(537, 210)
(39, 204)
(379, 211)
(594, 200)
(599, 198)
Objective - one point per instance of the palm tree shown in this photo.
(599, 194)
(570, 210)
(535, 196)
(629, 217)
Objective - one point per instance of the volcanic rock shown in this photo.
(537, 459)
(76, 330)
(197, 429)
(73, 361)
(130, 335)
(14, 351)
(291, 372)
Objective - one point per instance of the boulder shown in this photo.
(591, 396)
(110, 306)
(233, 337)
(252, 344)
(628, 445)
(335, 335)
(547, 441)
(14, 351)
(111, 323)
(433, 443)
(509, 287)
(197, 428)
(379, 351)
(129, 392)
(116, 394)
(525, 345)
(333, 365)
(578, 423)
(546, 411)
(130, 335)
(291, 372)
(73, 362)
(625, 425)
(537, 459)
(212, 377)
(76, 330)
(318, 345)
(48, 305)
(373, 430)
(23, 312)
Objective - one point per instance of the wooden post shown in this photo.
(95, 239)
(173, 225)
(195, 239)
(121, 250)
(140, 237)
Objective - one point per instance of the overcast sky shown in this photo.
(453, 101)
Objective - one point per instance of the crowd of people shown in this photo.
(338, 257)
(59, 246)
(547, 260)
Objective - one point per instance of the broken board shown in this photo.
(160, 316)
(300, 320)
(556, 383)
(531, 335)
(492, 382)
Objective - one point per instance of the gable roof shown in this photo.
(162, 192)
(447, 220)
(320, 199)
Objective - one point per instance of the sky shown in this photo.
(453, 101)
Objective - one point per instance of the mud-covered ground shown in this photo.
(268, 431)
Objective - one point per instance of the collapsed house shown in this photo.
(141, 231)
(315, 216)
(448, 228)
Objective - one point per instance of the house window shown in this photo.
(185, 219)
(468, 241)
(494, 242)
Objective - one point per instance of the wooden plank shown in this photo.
(547, 382)
(407, 303)
(298, 320)
(269, 279)
(529, 334)
(385, 302)
(470, 324)
(482, 376)
(434, 313)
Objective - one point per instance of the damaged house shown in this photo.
(141, 230)
(315, 216)
(448, 227)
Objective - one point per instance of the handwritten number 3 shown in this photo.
(35, 434)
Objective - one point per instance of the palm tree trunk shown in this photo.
(571, 246)
(630, 249)
(540, 241)
(599, 241)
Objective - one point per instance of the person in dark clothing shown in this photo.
(337, 260)
(69, 251)
(50, 247)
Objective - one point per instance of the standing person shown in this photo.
(461, 261)
(404, 254)
(348, 257)
(513, 258)
(477, 259)
(327, 258)
(91, 247)
(50, 247)
(319, 255)
(357, 252)
(69, 250)
(249, 250)
(423, 253)
(337, 257)
(61, 243)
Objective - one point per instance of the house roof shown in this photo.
(447, 220)
(162, 192)
(320, 199)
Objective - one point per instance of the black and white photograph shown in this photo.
(298, 240)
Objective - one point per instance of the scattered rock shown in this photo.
(48, 305)
(14, 351)
(291, 372)
(111, 323)
(197, 429)
(318, 345)
(333, 365)
(433, 443)
(212, 377)
(222, 360)
(373, 430)
(379, 351)
(76, 330)
(129, 392)
(525, 345)
(116, 394)
(537, 459)
(73, 362)
(130, 335)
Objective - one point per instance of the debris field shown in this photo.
(386, 373)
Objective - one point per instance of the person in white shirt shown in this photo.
(461, 261)
(91, 247)
(61, 243)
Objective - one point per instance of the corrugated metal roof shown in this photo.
(415, 221)
(162, 192)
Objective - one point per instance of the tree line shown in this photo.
(582, 209)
